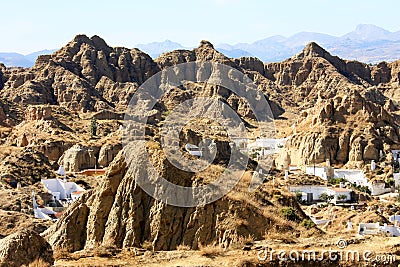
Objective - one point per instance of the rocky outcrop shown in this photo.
(27, 166)
(204, 52)
(52, 149)
(69, 77)
(116, 92)
(343, 129)
(79, 157)
(108, 115)
(251, 64)
(23, 141)
(24, 248)
(120, 213)
(34, 113)
(2, 116)
(1, 76)
(108, 152)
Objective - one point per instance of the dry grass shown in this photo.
(61, 253)
(39, 263)
(242, 241)
(183, 248)
(210, 251)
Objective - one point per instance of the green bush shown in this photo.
(307, 223)
(336, 180)
(289, 213)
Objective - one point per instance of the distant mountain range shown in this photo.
(367, 43)
(19, 60)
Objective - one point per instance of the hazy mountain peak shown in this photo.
(369, 32)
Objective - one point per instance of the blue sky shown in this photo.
(28, 26)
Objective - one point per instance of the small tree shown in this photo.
(327, 198)
(342, 198)
(93, 127)
(299, 197)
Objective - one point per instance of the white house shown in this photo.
(351, 175)
(396, 154)
(396, 177)
(317, 171)
(336, 192)
(395, 219)
(376, 228)
(61, 189)
(309, 192)
(193, 150)
(267, 146)
(313, 192)
(41, 212)
(378, 188)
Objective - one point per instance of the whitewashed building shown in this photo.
(336, 192)
(351, 175)
(378, 188)
(61, 189)
(267, 146)
(376, 228)
(321, 172)
(311, 193)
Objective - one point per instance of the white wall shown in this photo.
(353, 176)
(378, 189)
(61, 189)
(336, 194)
(396, 177)
(319, 171)
(316, 190)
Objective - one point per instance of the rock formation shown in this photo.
(108, 152)
(24, 248)
(70, 76)
(27, 166)
(79, 157)
(33, 113)
(120, 213)
(345, 128)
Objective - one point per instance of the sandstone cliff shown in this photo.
(346, 128)
(23, 248)
(120, 213)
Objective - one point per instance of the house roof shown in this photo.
(77, 192)
(340, 190)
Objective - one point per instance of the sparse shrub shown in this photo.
(105, 251)
(211, 251)
(327, 198)
(147, 245)
(242, 241)
(93, 127)
(299, 196)
(289, 213)
(334, 181)
(183, 248)
(307, 223)
(342, 197)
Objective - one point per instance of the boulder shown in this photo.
(37, 112)
(24, 248)
(78, 158)
(108, 152)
